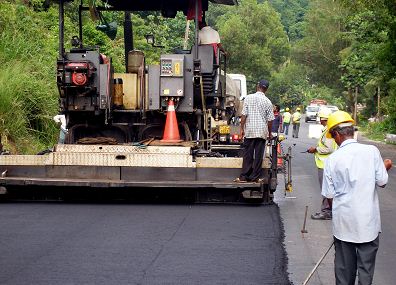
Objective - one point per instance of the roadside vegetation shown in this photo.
(343, 51)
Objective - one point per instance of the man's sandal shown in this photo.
(238, 180)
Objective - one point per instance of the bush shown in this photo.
(378, 130)
(28, 93)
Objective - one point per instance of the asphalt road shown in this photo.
(62, 243)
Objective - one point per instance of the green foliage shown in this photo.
(254, 37)
(369, 62)
(292, 16)
(361, 62)
(168, 32)
(289, 85)
(28, 94)
(378, 130)
(389, 105)
(322, 42)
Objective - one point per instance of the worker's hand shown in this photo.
(242, 133)
(311, 149)
(388, 163)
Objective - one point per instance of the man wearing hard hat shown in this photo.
(351, 176)
(286, 121)
(296, 118)
(324, 147)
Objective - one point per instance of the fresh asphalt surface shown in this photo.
(132, 243)
(85, 243)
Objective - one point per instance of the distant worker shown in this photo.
(209, 36)
(322, 150)
(277, 122)
(351, 176)
(256, 126)
(61, 120)
(296, 118)
(286, 121)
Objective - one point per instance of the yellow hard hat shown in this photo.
(337, 118)
(324, 113)
(287, 109)
(298, 109)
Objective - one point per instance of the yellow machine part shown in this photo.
(131, 84)
(224, 130)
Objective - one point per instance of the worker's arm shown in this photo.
(220, 46)
(328, 189)
(381, 174)
(328, 146)
(312, 149)
(243, 117)
(243, 123)
(269, 123)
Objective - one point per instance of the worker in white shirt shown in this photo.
(209, 36)
(61, 120)
(351, 176)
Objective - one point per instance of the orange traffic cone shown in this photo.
(280, 158)
(171, 132)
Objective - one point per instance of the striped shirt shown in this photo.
(258, 111)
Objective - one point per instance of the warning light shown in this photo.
(235, 137)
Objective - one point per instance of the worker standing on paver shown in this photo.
(286, 121)
(322, 150)
(256, 127)
(351, 176)
(296, 118)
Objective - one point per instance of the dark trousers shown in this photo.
(252, 159)
(296, 129)
(350, 257)
(325, 207)
(286, 128)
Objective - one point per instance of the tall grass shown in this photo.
(28, 53)
(28, 93)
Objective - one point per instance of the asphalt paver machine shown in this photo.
(160, 126)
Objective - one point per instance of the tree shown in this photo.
(292, 16)
(289, 85)
(319, 49)
(254, 37)
(369, 62)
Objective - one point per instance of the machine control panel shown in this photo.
(172, 75)
(172, 67)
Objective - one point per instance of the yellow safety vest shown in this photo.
(296, 117)
(286, 117)
(319, 157)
